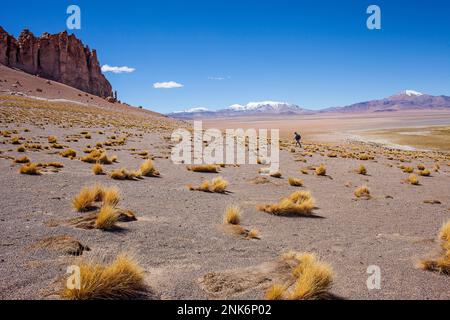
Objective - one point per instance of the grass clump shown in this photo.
(425, 173)
(217, 185)
(30, 169)
(52, 139)
(412, 179)
(362, 192)
(408, 169)
(124, 174)
(148, 169)
(295, 182)
(312, 279)
(299, 203)
(69, 153)
(207, 168)
(106, 218)
(84, 200)
(361, 170)
(121, 279)
(23, 159)
(97, 169)
(98, 156)
(440, 264)
(276, 292)
(321, 170)
(232, 215)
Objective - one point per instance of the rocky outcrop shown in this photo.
(59, 57)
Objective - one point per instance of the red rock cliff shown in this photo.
(59, 57)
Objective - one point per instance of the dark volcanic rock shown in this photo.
(59, 57)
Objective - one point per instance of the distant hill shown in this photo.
(251, 109)
(404, 101)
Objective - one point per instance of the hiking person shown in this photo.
(297, 138)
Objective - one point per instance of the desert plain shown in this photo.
(176, 232)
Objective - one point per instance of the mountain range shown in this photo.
(403, 101)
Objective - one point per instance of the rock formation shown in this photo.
(59, 57)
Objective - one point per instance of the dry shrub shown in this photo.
(425, 173)
(299, 203)
(124, 174)
(148, 169)
(420, 167)
(98, 156)
(217, 185)
(412, 179)
(110, 196)
(69, 153)
(408, 169)
(84, 200)
(362, 170)
(313, 279)
(362, 192)
(52, 139)
(253, 234)
(21, 149)
(321, 170)
(276, 174)
(121, 279)
(232, 215)
(440, 264)
(295, 182)
(276, 292)
(55, 164)
(208, 168)
(106, 218)
(30, 169)
(24, 159)
(97, 169)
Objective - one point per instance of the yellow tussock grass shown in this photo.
(361, 170)
(84, 200)
(110, 196)
(217, 185)
(276, 292)
(148, 169)
(321, 170)
(69, 153)
(121, 279)
(362, 192)
(412, 179)
(106, 218)
(295, 182)
(232, 215)
(313, 279)
(442, 263)
(209, 168)
(30, 169)
(24, 159)
(97, 169)
(298, 203)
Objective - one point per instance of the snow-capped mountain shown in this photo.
(403, 101)
(250, 109)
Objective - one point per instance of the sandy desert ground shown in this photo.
(179, 238)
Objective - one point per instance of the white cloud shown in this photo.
(124, 69)
(167, 85)
(216, 78)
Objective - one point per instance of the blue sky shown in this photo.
(312, 53)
